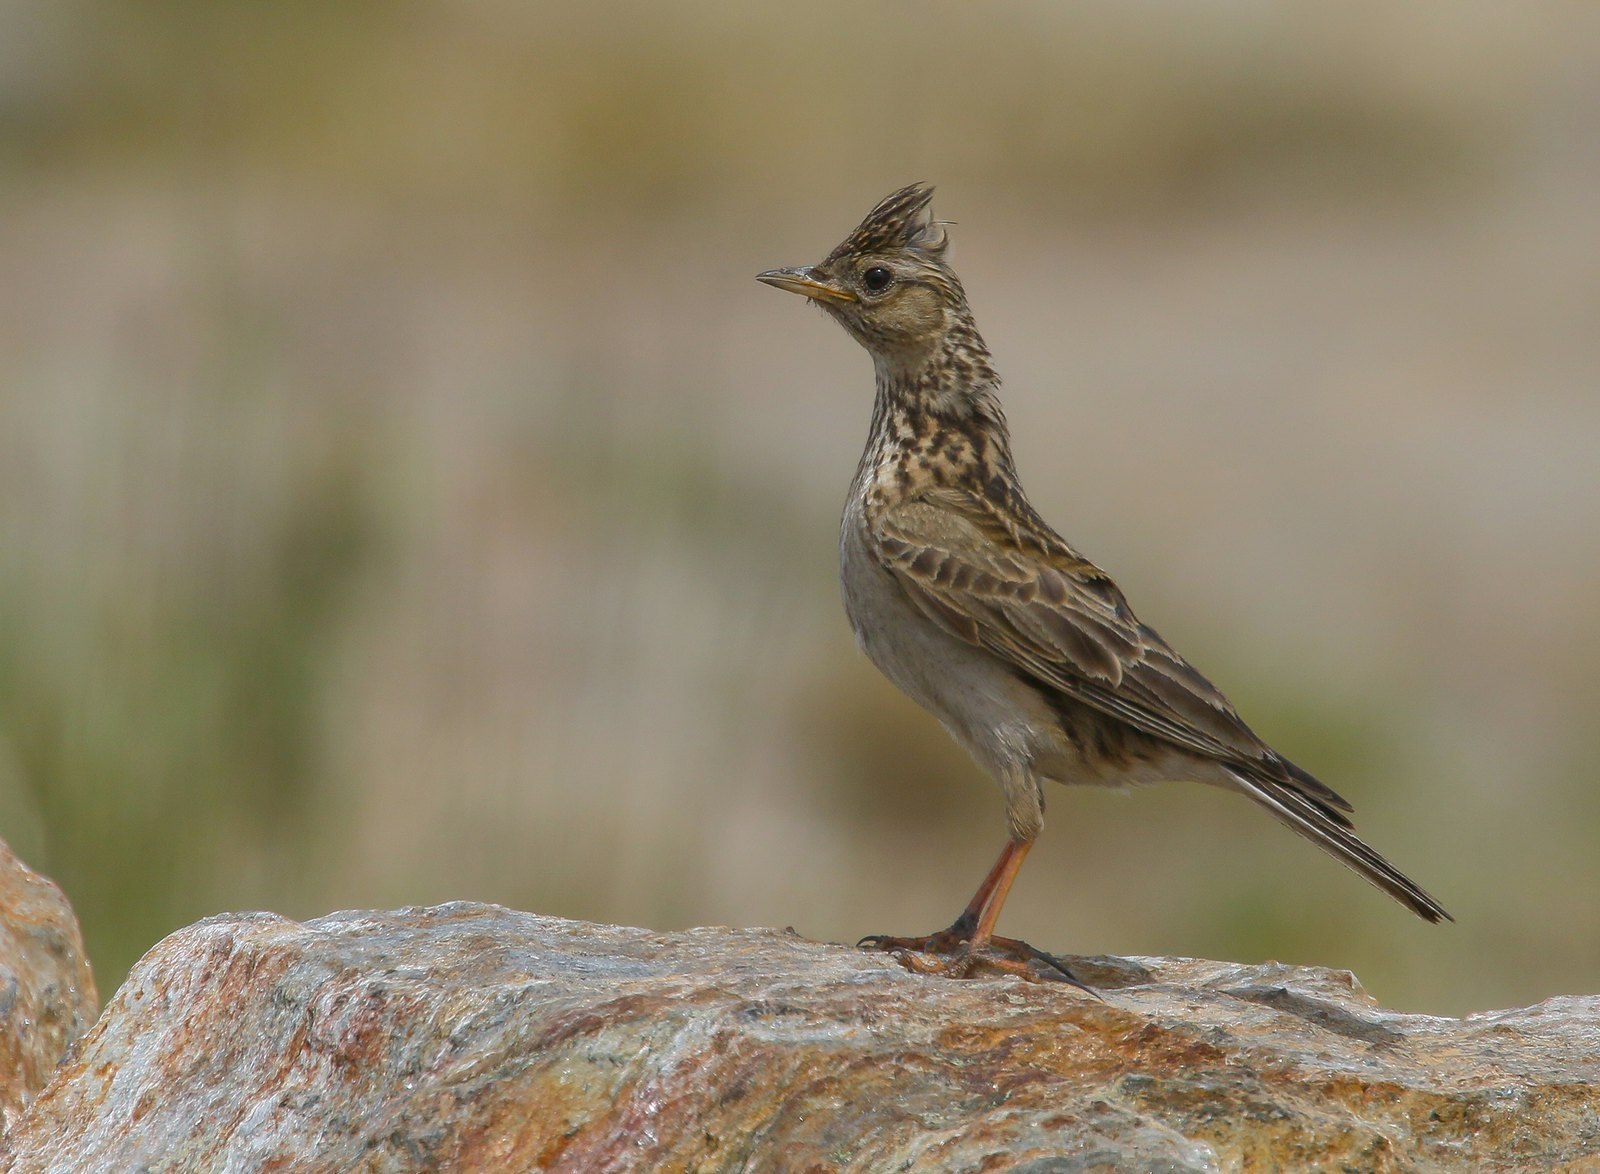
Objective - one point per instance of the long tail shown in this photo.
(1330, 831)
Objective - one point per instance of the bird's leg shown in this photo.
(961, 930)
(968, 946)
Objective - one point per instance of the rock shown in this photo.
(47, 995)
(469, 1037)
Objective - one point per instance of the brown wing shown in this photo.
(1030, 599)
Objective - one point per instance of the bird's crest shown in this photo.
(900, 221)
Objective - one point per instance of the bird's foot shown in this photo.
(951, 953)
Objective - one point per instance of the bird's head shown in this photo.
(887, 283)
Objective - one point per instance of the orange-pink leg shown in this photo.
(998, 885)
(1010, 860)
(969, 946)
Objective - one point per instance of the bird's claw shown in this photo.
(947, 955)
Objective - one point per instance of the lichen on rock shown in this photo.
(469, 1037)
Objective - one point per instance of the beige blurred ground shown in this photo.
(407, 494)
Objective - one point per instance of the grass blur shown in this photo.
(406, 493)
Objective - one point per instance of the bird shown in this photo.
(1025, 651)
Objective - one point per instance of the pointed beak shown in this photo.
(803, 279)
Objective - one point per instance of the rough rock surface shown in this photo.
(469, 1037)
(47, 995)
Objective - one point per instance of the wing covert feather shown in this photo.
(1033, 601)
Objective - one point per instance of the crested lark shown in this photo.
(965, 599)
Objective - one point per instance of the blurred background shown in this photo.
(407, 494)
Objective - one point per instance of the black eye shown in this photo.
(877, 279)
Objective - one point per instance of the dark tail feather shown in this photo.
(1318, 791)
(1323, 829)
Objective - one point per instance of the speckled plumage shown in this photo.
(962, 595)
